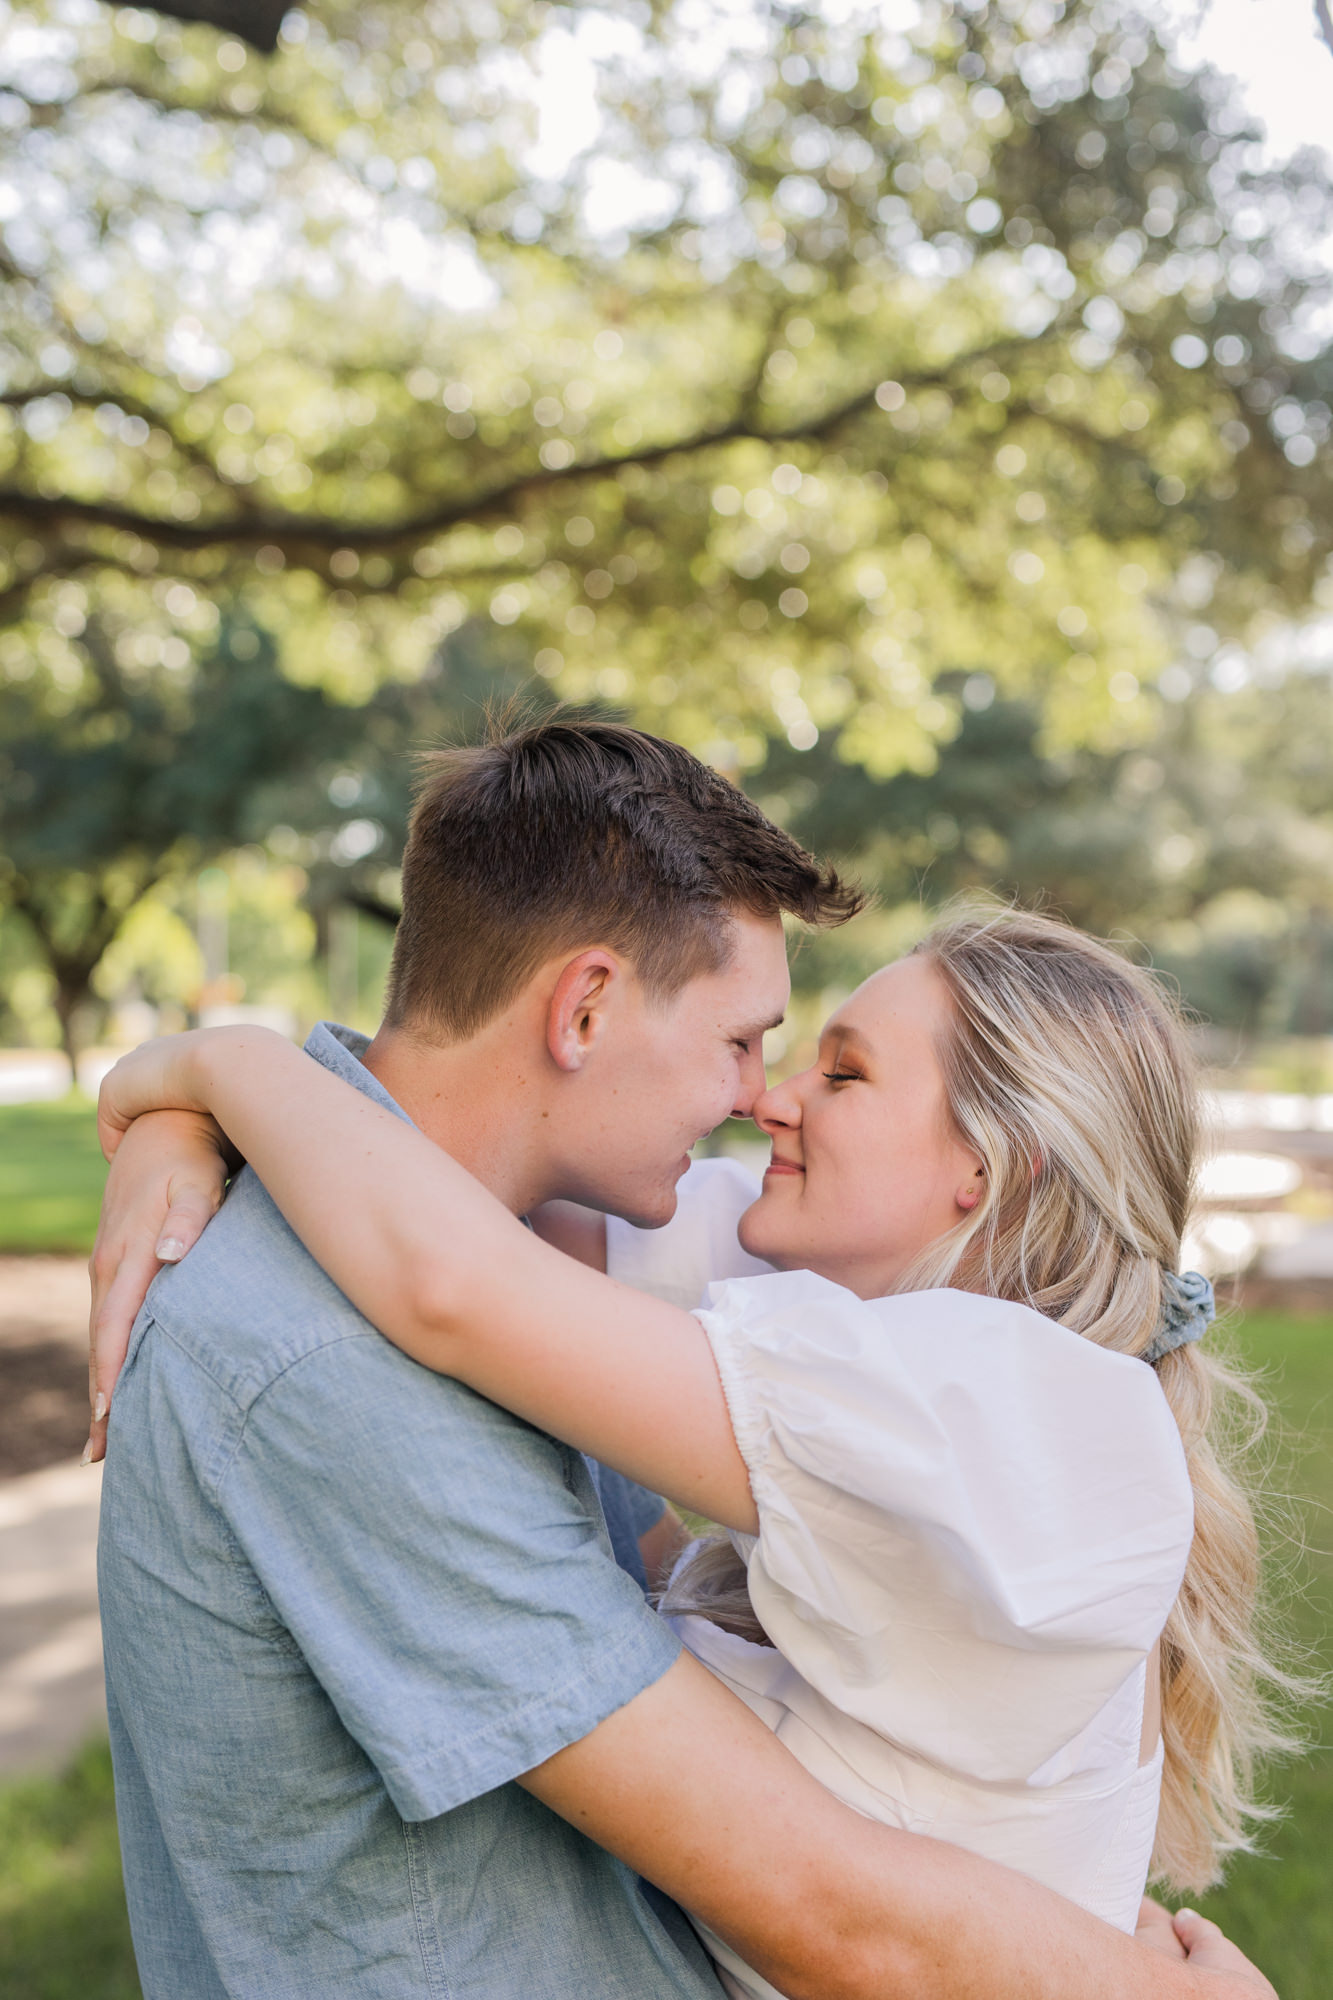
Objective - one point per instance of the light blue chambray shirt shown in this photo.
(345, 1603)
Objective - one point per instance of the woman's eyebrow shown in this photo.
(842, 1032)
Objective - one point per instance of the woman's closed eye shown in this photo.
(843, 1075)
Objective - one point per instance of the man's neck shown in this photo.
(473, 1102)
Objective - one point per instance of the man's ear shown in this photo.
(576, 1011)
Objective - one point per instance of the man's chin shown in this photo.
(648, 1210)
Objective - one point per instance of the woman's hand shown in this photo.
(166, 1181)
(1157, 1929)
(1209, 1951)
(160, 1075)
(1189, 1936)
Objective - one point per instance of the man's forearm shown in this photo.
(931, 1922)
(691, 1790)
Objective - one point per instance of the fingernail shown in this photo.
(170, 1250)
(100, 1407)
(87, 1458)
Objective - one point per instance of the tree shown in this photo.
(255, 21)
(1209, 844)
(950, 351)
(345, 818)
(128, 773)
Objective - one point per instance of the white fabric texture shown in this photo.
(973, 1526)
(698, 1247)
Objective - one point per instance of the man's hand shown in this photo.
(166, 1181)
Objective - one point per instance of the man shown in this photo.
(387, 1717)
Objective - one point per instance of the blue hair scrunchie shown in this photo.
(1188, 1310)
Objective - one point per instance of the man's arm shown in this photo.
(690, 1789)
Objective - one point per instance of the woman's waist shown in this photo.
(1099, 1761)
(1087, 1837)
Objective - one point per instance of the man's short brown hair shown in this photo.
(566, 834)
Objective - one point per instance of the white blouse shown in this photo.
(973, 1525)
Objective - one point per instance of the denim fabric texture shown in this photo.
(346, 1602)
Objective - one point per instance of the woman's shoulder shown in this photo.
(973, 1387)
(944, 1449)
(940, 1330)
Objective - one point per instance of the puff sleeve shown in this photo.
(973, 1522)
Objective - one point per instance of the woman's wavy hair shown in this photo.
(1067, 1070)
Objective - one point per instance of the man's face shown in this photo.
(665, 1073)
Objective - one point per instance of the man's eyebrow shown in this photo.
(760, 1028)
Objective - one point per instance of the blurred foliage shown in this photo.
(109, 787)
(840, 359)
(1208, 845)
(925, 423)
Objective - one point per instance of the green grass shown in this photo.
(63, 1934)
(51, 1175)
(1277, 1906)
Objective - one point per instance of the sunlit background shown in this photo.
(920, 410)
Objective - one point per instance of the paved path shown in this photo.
(50, 1645)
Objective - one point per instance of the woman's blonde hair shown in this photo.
(1067, 1071)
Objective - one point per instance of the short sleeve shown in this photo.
(645, 1509)
(442, 1567)
(973, 1523)
(699, 1245)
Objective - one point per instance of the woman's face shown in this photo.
(867, 1169)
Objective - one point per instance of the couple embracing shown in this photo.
(968, 1652)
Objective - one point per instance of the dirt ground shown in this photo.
(50, 1644)
(43, 1362)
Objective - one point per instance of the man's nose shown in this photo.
(753, 1084)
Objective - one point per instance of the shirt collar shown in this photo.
(342, 1051)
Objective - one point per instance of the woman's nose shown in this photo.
(778, 1109)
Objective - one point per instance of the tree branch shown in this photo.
(253, 21)
(13, 595)
(307, 538)
(134, 406)
(211, 108)
(372, 906)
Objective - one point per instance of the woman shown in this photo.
(986, 1573)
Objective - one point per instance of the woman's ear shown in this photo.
(970, 1191)
(576, 1011)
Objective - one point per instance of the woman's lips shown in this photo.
(782, 1167)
